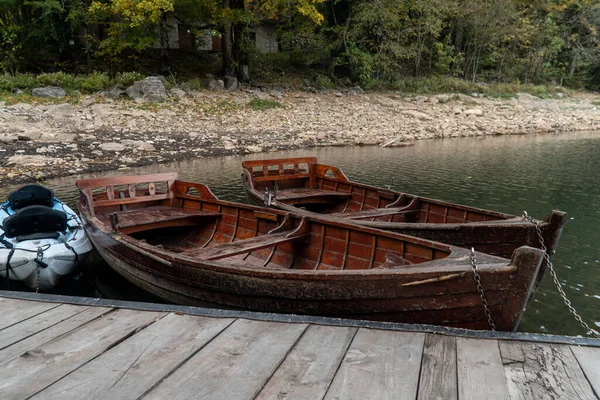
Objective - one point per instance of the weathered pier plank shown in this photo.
(536, 371)
(589, 360)
(36, 369)
(50, 333)
(37, 323)
(235, 365)
(438, 369)
(64, 351)
(310, 367)
(480, 372)
(137, 364)
(379, 365)
(15, 311)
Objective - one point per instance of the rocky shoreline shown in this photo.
(41, 141)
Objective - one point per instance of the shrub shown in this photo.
(93, 82)
(194, 84)
(126, 79)
(61, 79)
(259, 105)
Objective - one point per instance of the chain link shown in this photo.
(562, 293)
(40, 257)
(486, 308)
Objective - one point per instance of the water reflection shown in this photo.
(536, 173)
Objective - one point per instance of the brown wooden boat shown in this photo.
(304, 186)
(176, 240)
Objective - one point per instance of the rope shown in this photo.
(68, 246)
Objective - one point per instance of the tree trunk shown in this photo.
(227, 44)
(164, 45)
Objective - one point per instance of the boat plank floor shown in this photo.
(122, 350)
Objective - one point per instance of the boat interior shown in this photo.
(187, 219)
(304, 183)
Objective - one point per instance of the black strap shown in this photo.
(73, 250)
(5, 243)
(8, 267)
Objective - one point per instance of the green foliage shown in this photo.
(93, 82)
(126, 79)
(260, 105)
(65, 81)
(194, 84)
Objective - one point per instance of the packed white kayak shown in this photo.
(41, 238)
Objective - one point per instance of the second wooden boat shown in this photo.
(176, 240)
(304, 186)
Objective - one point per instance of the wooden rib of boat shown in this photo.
(176, 240)
(304, 186)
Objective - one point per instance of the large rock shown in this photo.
(421, 116)
(60, 110)
(112, 93)
(150, 89)
(31, 160)
(111, 146)
(215, 84)
(355, 90)
(231, 83)
(177, 92)
(53, 92)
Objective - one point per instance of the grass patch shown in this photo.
(13, 98)
(596, 102)
(260, 105)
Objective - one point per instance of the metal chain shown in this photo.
(40, 257)
(562, 293)
(486, 308)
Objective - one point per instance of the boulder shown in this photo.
(150, 89)
(112, 93)
(474, 111)
(177, 92)
(231, 83)
(60, 110)
(355, 90)
(215, 84)
(112, 146)
(421, 116)
(53, 92)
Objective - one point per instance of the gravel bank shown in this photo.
(98, 134)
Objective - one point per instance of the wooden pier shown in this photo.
(59, 347)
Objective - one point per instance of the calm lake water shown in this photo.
(536, 173)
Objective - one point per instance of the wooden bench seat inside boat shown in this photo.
(373, 213)
(143, 219)
(224, 250)
(308, 195)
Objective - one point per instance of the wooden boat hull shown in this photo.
(441, 291)
(490, 232)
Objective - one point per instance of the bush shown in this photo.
(61, 79)
(259, 105)
(126, 79)
(94, 82)
(194, 84)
